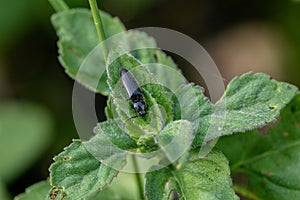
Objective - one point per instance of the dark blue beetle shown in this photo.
(133, 91)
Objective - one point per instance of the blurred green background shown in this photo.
(35, 93)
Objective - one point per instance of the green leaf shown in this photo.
(115, 134)
(175, 140)
(22, 124)
(107, 194)
(170, 144)
(109, 145)
(110, 109)
(196, 108)
(157, 184)
(161, 66)
(171, 77)
(249, 102)
(40, 191)
(120, 189)
(78, 174)
(144, 49)
(138, 44)
(77, 38)
(270, 162)
(36, 191)
(158, 105)
(199, 178)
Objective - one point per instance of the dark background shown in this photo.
(240, 35)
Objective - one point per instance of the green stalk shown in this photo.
(99, 27)
(138, 178)
(59, 5)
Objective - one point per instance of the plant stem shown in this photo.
(59, 5)
(99, 27)
(138, 178)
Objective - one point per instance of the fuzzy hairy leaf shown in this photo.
(165, 72)
(109, 145)
(120, 189)
(269, 160)
(40, 190)
(194, 107)
(78, 174)
(138, 44)
(249, 102)
(115, 134)
(175, 140)
(107, 194)
(204, 179)
(170, 145)
(77, 38)
(158, 105)
(78, 169)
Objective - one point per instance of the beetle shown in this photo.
(133, 91)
